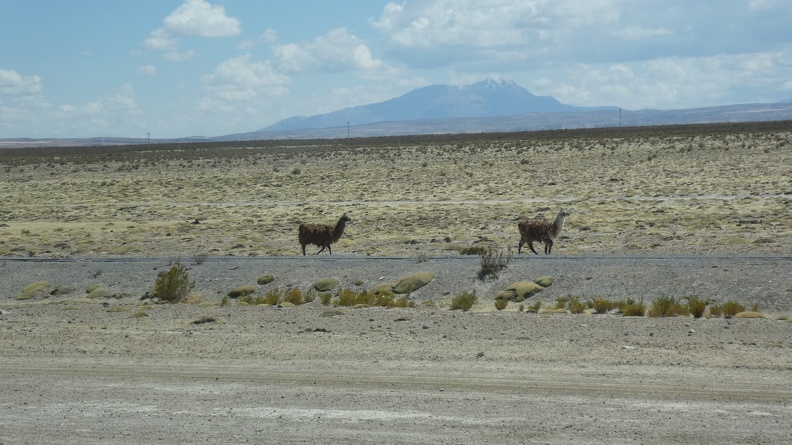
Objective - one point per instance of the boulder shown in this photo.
(326, 284)
(519, 291)
(411, 283)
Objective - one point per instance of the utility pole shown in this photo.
(348, 141)
(149, 137)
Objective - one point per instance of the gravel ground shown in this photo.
(86, 371)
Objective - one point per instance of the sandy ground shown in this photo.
(655, 212)
(79, 371)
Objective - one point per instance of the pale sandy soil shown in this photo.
(653, 214)
(80, 373)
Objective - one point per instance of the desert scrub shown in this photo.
(465, 301)
(501, 303)
(667, 307)
(273, 297)
(492, 262)
(477, 250)
(348, 297)
(696, 306)
(732, 308)
(603, 305)
(575, 306)
(173, 285)
(633, 309)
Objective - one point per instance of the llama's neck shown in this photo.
(339, 229)
(558, 225)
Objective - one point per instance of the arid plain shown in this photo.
(699, 190)
(653, 210)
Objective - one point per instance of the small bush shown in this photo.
(173, 285)
(696, 306)
(632, 309)
(576, 306)
(500, 304)
(464, 301)
(603, 305)
(348, 297)
(667, 307)
(293, 296)
(732, 308)
(492, 262)
(325, 298)
(477, 250)
(715, 310)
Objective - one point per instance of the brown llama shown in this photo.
(322, 235)
(541, 230)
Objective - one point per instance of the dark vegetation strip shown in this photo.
(186, 150)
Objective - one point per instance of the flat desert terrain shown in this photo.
(656, 214)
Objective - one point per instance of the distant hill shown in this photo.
(488, 98)
(536, 121)
(489, 106)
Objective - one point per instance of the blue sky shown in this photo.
(86, 68)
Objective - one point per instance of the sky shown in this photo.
(181, 68)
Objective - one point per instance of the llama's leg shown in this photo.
(519, 247)
(329, 249)
(548, 246)
(303, 246)
(530, 244)
(320, 250)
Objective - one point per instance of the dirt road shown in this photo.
(83, 373)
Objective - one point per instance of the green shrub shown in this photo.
(715, 310)
(732, 308)
(500, 304)
(633, 309)
(173, 285)
(325, 298)
(348, 297)
(492, 262)
(477, 250)
(464, 301)
(293, 296)
(667, 307)
(696, 306)
(603, 305)
(576, 306)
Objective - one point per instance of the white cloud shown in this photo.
(671, 82)
(147, 70)
(199, 18)
(192, 18)
(161, 40)
(338, 50)
(14, 83)
(487, 23)
(239, 79)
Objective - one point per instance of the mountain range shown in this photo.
(489, 106)
(488, 98)
(493, 106)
